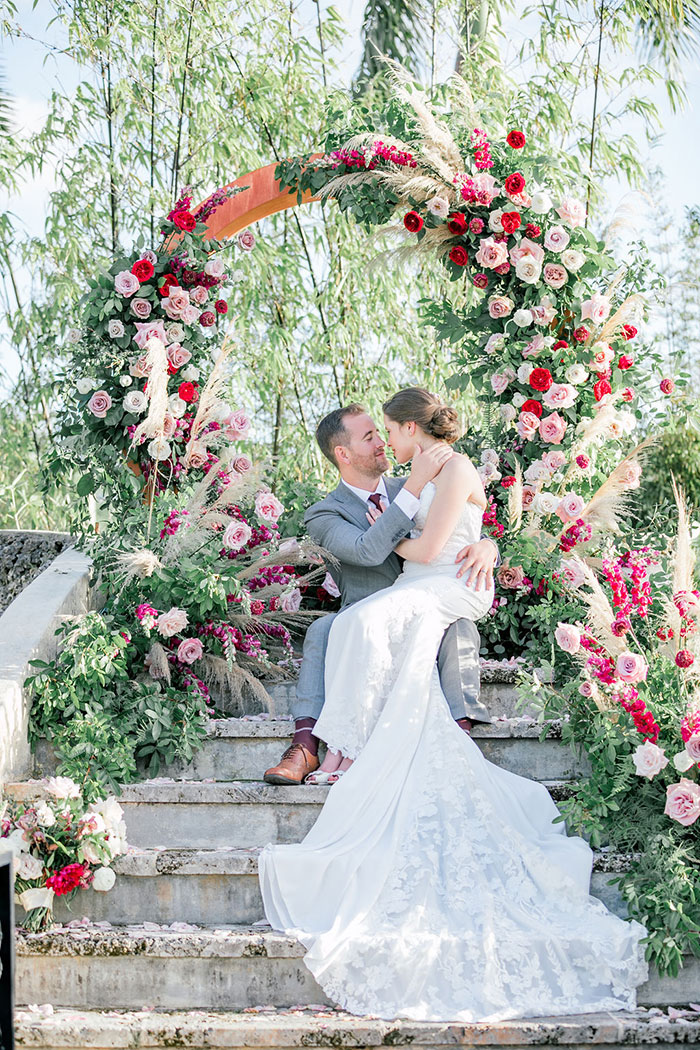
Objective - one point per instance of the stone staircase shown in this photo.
(183, 928)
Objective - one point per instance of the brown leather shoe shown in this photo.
(294, 765)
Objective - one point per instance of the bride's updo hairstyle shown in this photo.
(415, 405)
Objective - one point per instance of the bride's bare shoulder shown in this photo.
(458, 467)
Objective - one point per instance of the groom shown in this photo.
(349, 438)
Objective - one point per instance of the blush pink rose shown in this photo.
(527, 249)
(572, 211)
(527, 425)
(544, 313)
(602, 356)
(126, 284)
(140, 308)
(190, 314)
(683, 802)
(595, 309)
(556, 239)
(649, 759)
(629, 475)
(189, 650)
(528, 496)
(169, 425)
(560, 395)
(499, 382)
(198, 456)
(236, 425)
(172, 622)
(632, 667)
(491, 253)
(568, 637)
(572, 572)
(554, 459)
(268, 507)
(553, 428)
(330, 586)
(242, 464)
(177, 300)
(588, 688)
(146, 330)
(533, 348)
(570, 507)
(555, 275)
(485, 184)
(178, 355)
(100, 403)
(246, 240)
(139, 368)
(291, 603)
(214, 268)
(692, 746)
(199, 295)
(500, 306)
(236, 535)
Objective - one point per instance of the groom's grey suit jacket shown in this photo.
(366, 562)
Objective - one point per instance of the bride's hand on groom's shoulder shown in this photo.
(477, 562)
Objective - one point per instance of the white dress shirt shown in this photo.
(405, 501)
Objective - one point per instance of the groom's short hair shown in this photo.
(331, 430)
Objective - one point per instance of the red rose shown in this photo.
(166, 282)
(684, 658)
(667, 386)
(480, 280)
(508, 481)
(628, 394)
(540, 379)
(221, 306)
(532, 230)
(143, 269)
(186, 391)
(184, 220)
(412, 221)
(457, 222)
(458, 255)
(561, 345)
(207, 318)
(514, 184)
(629, 331)
(532, 406)
(503, 268)
(510, 221)
(581, 334)
(515, 139)
(626, 361)
(601, 388)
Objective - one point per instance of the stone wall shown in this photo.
(23, 555)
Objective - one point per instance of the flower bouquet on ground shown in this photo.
(631, 703)
(60, 844)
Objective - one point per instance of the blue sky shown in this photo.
(31, 73)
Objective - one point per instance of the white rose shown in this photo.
(222, 410)
(683, 762)
(524, 375)
(175, 333)
(108, 808)
(125, 380)
(90, 853)
(104, 880)
(649, 759)
(573, 260)
(508, 413)
(576, 374)
(74, 336)
(495, 221)
(178, 407)
(541, 202)
(159, 449)
(17, 841)
(488, 472)
(85, 385)
(546, 502)
(439, 206)
(191, 373)
(29, 867)
(519, 400)
(528, 270)
(214, 267)
(62, 787)
(522, 318)
(237, 277)
(489, 455)
(135, 401)
(45, 815)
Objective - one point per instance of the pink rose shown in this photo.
(198, 457)
(560, 395)
(246, 240)
(485, 184)
(140, 308)
(572, 572)
(236, 535)
(190, 314)
(177, 300)
(544, 313)
(588, 688)
(528, 496)
(291, 603)
(189, 650)
(553, 428)
(570, 507)
(554, 459)
(500, 306)
(528, 425)
(510, 576)
(527, 249)
(150, 256)
(534, 346)
(172, 622)
(268, 507)
(199, 295)
(499, 382)
(330, 586)
(146, 330)
(683, 802)
(491, 253)
(236, 425)
(556, 239)
(595, 309)
(649, 759)
(632, 667)
(629, 475)
(602, 356)
(126, 284)
(692, 746)
(555, 275)
(139, 368)
(178, 355)
(241, 464)
(572, 212)
(494, 343)
(568, 637)
(214, 268)
(100, 403)
(169, 425)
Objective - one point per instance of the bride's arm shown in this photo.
(457, 482)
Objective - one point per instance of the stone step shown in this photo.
(282, 1029)
(222, 968)
(243, 748)
(208, 887)
(237, 814)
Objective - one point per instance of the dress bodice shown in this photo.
(467, 530)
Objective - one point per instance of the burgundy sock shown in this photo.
(465, 723)
(304, 736)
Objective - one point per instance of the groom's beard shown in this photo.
(372, 467)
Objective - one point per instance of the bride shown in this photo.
(434, 885)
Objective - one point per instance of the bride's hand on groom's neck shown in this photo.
(426, 465)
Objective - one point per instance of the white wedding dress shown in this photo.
(434, 885)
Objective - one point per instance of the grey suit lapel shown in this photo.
(393, 487)
(352, 504)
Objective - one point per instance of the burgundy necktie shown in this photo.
(376, 499)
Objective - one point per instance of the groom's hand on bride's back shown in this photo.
(477, 563)
(426, 465)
